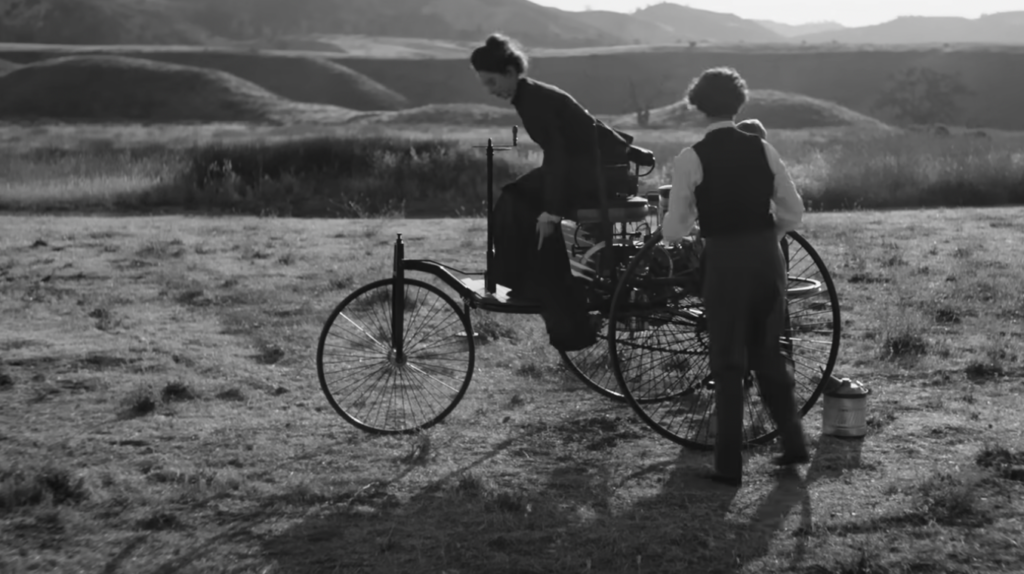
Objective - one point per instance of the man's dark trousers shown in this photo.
(744, 290)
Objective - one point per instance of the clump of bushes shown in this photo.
(328, 177)
(363, 175)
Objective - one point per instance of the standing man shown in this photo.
(729, 181)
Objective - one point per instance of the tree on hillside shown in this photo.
(922, 96)
(643, 100)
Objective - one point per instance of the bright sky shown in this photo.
(846, 12)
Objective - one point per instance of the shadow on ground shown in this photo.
(579, 515)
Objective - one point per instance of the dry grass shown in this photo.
(429, 172)
(55, 179)
(189, 434)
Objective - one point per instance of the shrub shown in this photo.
(353, 177)
(390, 173)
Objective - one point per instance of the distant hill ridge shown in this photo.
(6, 66)
(777, 110)
(609, 82)
(791, 30)
(205, 22)
(1003, 28)
(298, 77)
(117, 88)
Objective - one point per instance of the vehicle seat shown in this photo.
(620, 210)
(656, 197)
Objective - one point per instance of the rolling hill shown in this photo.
(97, 22)
(693, 24)
(791, 30)
(851, 77)
(304, 78)
(360, 46)
(631, 29)
(296, 24)
(296, 77)
(777, 110)
(611, 81)
(1004, 28)
(117, 88)
(6, 66)
(230, 21)
(436, 19)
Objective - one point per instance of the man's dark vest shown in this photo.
(734, 196)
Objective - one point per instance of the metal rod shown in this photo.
(489, 282)
(608, 263)
(398, 301)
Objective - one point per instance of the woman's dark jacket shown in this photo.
(576, 146)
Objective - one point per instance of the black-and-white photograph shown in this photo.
(511, 286)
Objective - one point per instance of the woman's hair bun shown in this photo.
(497, 42)
(499, 53)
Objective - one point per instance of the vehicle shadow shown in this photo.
(578, 515)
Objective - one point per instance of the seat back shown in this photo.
(640, 156)
(620, 181)
(620, 210)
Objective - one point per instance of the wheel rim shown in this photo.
(378, 390)
(664, 370)
(815, 322)
(593, 365)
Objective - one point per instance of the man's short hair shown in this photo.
(718, 92)
(754, 127)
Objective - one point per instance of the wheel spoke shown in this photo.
(379, 389)
(663, 367)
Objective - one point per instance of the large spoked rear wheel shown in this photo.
(814, 326)
(662, 365)
(379, 390)
(593, 365)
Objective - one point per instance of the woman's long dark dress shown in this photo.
(576, 146)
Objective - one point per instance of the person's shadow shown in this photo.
(833, 456)
(685, 524)
(582, 514)
(726, 542)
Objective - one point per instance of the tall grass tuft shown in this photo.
(95, 177)
(911, 170)
(369, 175)
(351, 177)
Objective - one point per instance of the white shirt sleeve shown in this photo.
(787, 203)
(687, 174)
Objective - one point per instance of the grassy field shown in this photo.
(427, 170)
(161, 414)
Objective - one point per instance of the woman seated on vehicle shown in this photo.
(530, 255)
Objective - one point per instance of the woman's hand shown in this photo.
(546, 225)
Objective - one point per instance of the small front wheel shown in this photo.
(380, 390)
